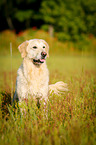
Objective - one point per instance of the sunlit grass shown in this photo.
(68, 119)
(60, 67)
(60, 62)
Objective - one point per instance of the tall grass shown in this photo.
(68, 119)
(71, 118)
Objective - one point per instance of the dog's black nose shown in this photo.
(43, 54)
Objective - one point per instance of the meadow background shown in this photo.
(71, 117)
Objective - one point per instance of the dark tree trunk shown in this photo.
(51, 30)
(10, 24)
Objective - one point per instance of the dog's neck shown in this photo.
(31, 71)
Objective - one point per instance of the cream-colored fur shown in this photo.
(33, 75)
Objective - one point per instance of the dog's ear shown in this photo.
(47, 47)
(22, 49)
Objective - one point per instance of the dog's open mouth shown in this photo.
(38, 61)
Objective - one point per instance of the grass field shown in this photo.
(71, 117)
(68, 119)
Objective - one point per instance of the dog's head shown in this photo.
(35, 49)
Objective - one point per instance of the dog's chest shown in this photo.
(37, 77)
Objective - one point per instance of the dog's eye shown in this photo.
(43, 46)
(35, 47)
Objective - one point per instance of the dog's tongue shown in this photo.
(42, 60)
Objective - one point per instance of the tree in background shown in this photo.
(6, 11)
(28, 12)
(89, 8)
(69, 19)
(19, 14)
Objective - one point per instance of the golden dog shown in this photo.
(33, 75)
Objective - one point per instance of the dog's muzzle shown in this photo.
(38, 61)
(41, 60)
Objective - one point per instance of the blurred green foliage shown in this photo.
(71, 19)
(23, 15)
